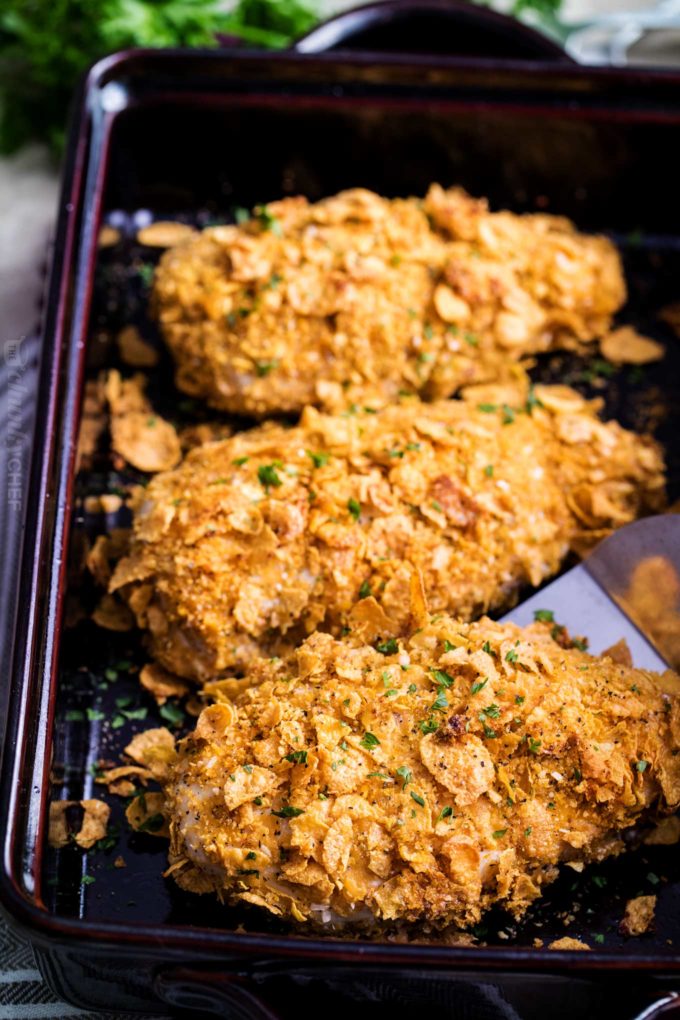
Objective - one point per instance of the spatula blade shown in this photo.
(629, 587)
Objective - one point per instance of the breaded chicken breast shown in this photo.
(424, 779)
(255, 541)
(304, 300)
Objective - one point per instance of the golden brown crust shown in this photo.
(426, 784)
(255, 541)
(364, 292)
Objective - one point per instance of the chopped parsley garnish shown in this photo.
(172, 714)
(318, 458)
(641, 765)
(532, 401)
(440, 703)
(448, 647)
(263, 368)
(239, 461)
(94, 714)
(354, 508)
(429, 726)
(436, 505)
(378, 775)
(471, 339)
(296, 757)
(479, 685)
(486, 647)
(499, 833)
(74, 715)
(580, 643)
(369, 741)
(520, 699)
(489, 732)
(273, 282)
(488, 470)
(487, 408)
(267, 220)
(268, 476)
(491, 712)
(534, 745)
(364, 590)
(405, 773)
(511, 656)
(248, 871)
(508, 415)
(411, 689)
(544, 615)
(442, 677)
(87, 880)
(528, 830)
(389, 647)
(654, 879)
(289, 812)
(417, 798)
(446, 812)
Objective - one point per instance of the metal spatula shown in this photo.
(628, 587)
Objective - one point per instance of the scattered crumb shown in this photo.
(118, 780)
(119, 862)
(135, 350)
(108, 236)
(620, 653)
(93, 825)
(113, 615)
(145, 814)
(154, 749)
(639, 916)
(567, 943)
(92, 421)
(194, 706)
(110, 502)
(164, 234)
(671, 315)
(625, 346)
(138, 434)
(206, 432)
(665, 833)
(162, 684)
(97, 561)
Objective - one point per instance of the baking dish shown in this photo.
(170, 133)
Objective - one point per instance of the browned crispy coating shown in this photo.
(255, 541)
(364, 292)
(453, 772)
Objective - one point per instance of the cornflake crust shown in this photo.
(304, 300)
(257, 540)
(419, 780)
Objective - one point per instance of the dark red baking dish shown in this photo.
(190, 135)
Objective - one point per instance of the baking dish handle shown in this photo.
(221, 993)
(667, 1008)
(432, 27)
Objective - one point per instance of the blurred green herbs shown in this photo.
(45, 45)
